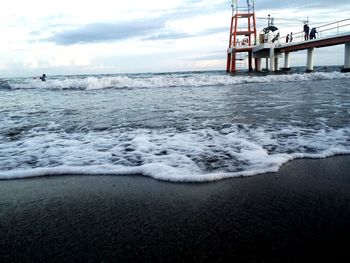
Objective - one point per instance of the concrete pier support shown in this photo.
(258, 64)
(286, 60)
(272, 59)
(267, 64)
(250, 61)
(228, 62)
(276, 64)
(233, 62)
(310, 59)
(346, 67)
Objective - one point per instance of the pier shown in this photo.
(262, 48)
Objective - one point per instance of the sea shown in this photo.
(178, 126)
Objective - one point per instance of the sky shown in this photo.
(59, 37)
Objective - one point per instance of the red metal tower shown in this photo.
(242, 33)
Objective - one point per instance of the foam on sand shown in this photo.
(192, 156)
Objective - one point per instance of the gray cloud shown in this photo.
(104, 32)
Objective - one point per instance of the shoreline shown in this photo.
(300, 212)
(204, 178)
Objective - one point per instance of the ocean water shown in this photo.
(183, 127)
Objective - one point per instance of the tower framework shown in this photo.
(242, 33)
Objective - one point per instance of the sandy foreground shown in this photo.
(301, 212)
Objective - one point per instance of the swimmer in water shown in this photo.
(42, 78)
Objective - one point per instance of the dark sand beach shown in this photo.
(300, 213)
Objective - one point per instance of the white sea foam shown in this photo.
(161, 81)
(191, 156)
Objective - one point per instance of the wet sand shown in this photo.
(300, 213)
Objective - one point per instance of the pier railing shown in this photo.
(327, 30)
(323, 31)
(335, 28)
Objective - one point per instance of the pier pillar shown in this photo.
(286, 60)
(272, 59)
(233, 62)
(276, 64)
(346, 67)
(310, 59)
(250, 61)
(267, 64)
(228, 63)
(258, 64)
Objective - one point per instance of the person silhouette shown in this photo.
(43, 77)
(313, 33)
(306, 32)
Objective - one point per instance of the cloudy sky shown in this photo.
(117, 36)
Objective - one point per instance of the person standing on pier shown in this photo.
(291, 37)
(287, 38)
(313, 33)
(306, 31)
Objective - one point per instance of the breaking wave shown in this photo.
(165, 80)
